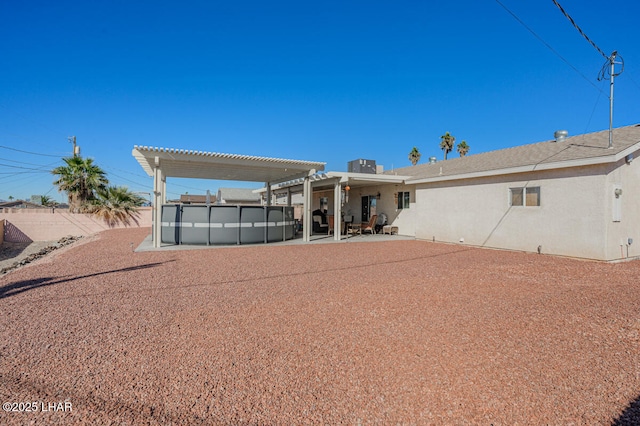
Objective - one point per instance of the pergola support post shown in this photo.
(268, 193)
(306, 213)
(337, 210)
(159, 184)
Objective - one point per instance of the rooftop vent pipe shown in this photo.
(560, 135)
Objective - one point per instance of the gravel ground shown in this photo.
(16, 255)
(399, 332)
(11, 252)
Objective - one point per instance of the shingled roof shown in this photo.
(238, 194)
(591, 148)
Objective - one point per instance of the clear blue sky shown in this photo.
(328, 81)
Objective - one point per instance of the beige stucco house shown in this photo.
(572, 196)
(575, 196)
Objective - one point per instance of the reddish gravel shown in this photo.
(406, 332)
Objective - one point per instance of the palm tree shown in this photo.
(414, 156)
(10, 197)
(46, 201)
(115, 204)
(80, 178)
(463, 148)
(447, 142)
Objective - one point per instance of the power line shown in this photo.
(11, 174)
(12, 111)
(129, 180)
(580, 30)
(632, 80)
(13, 177)
(29, 152)
(129, 173)
(592, 112)
(186, 187)
(608, 69)
(24, 168)
(548, 46)
(28, 164)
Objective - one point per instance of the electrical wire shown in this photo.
(630, 75)
(187, 187)
(29, 152)
(129, 173)
(549, 46)
(148, 184)
(20, 181)
(28, 164)
(12, 111)
(24, 168)
(593, 111)
(12, 174)
(605, 71)
(580, 30)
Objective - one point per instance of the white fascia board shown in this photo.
(343, 177)
(630, 150)
(301, 176)
(367, 177)
(522, 169)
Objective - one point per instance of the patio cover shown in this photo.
(337, 181)
(162, 163)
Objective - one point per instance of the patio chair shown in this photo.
(371, 226)
(318, 226)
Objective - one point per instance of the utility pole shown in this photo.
(72, 139)
(612, 61)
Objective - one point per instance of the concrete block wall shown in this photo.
(25, 225)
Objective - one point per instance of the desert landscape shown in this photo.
(397, 332)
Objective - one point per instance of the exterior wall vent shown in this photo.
(560, 135)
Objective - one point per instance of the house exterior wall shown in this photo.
(404, 219)
(571, 218)
(387, 204)
(315, 200)
(625, 176)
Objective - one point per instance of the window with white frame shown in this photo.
(525, 196)
(403, 200)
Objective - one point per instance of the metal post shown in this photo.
(306, 218)
(612, 61)
(337, 210)
(157, 203)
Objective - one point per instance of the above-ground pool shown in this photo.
(225, 224)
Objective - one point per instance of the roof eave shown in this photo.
(529, 168)
(367, 177)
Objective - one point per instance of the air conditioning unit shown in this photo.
(362, 166)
